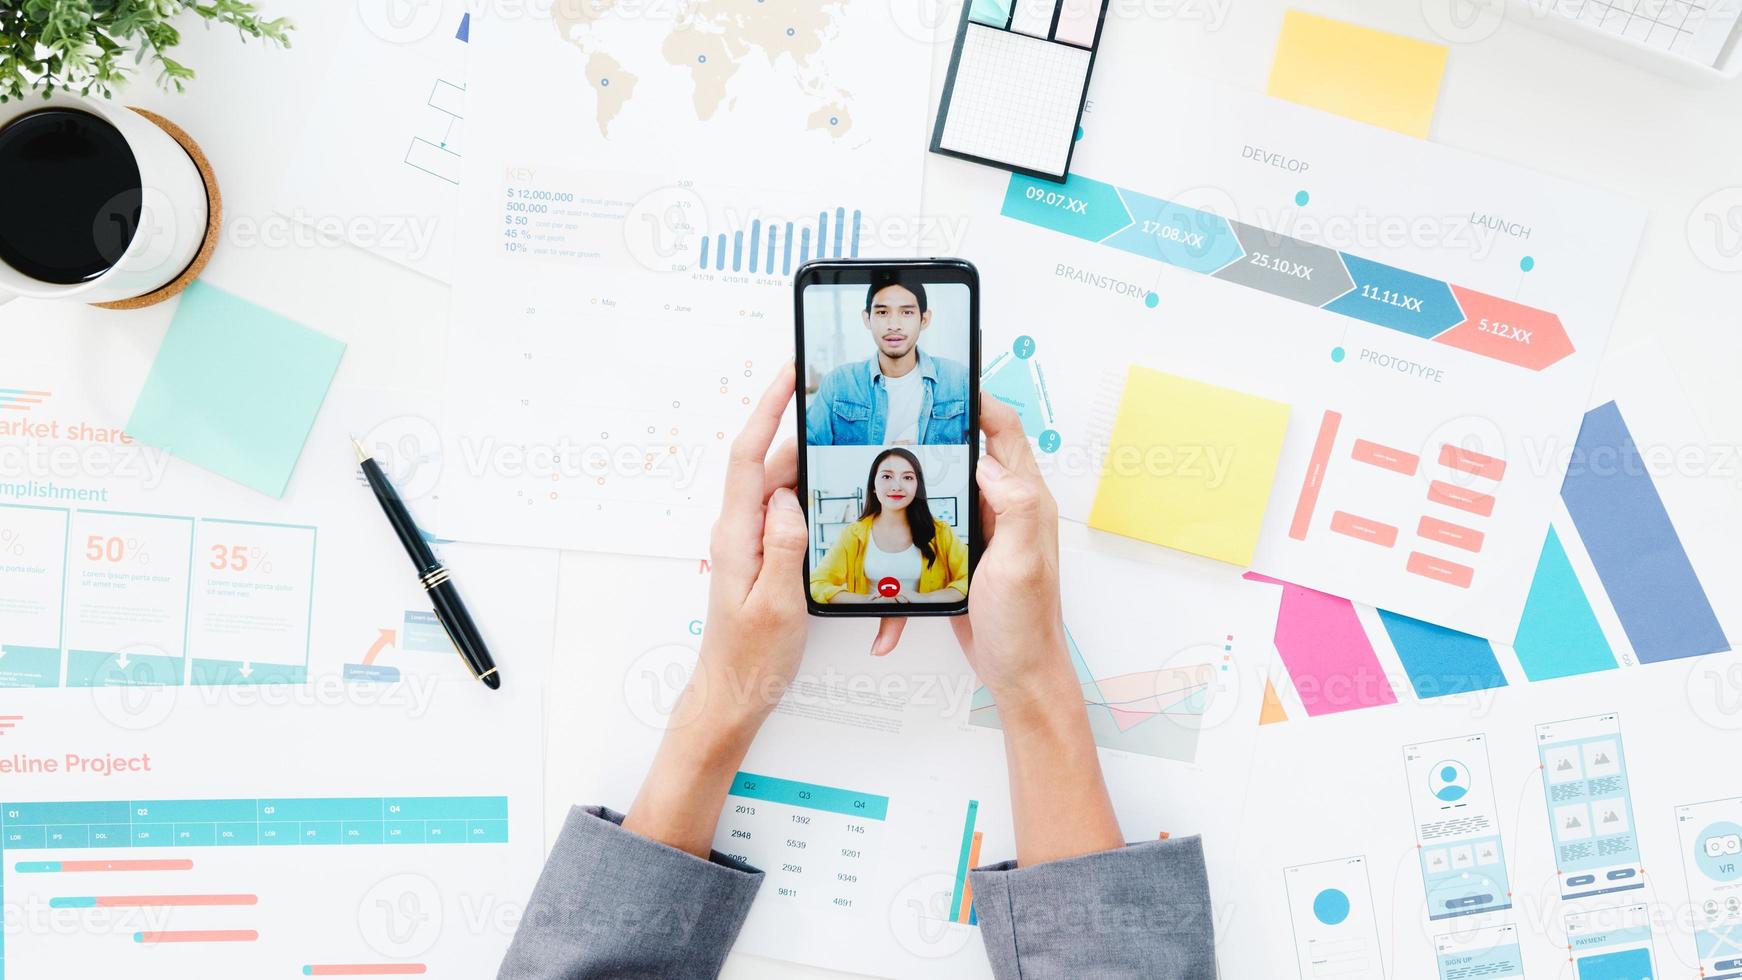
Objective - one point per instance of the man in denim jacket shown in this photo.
(903, 396)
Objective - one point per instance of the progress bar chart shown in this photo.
(235, 887)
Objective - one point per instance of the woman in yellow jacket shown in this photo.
(896, 551)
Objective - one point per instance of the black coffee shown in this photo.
(71, 195)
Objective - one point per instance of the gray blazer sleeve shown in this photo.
(1141, 911)
(611, 903)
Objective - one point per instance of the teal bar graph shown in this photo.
(750, 786)
(287, 821)
(247, 823)
(962, 861)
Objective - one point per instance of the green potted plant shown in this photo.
(84, 46)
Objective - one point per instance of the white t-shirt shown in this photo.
(904, 566)
(905, 394)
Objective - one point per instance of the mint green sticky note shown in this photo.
(235, 388)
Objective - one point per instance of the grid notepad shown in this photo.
(1694, 29)
(1016, 85)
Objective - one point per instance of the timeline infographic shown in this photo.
(164, 837)
(1426, 359)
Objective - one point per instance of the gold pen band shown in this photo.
(433, 577)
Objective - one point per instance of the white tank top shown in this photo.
(903, 566)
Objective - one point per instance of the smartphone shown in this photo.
(888, 434)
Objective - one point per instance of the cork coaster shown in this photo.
(214, 219)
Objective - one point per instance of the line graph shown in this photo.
(1156, 712)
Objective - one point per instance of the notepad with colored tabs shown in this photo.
(235, 388)
(1189, 465)
(1371, 76)
(1018, 77)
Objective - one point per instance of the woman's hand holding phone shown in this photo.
(753, 642)
(1014, 634)
(1018, 619)
(1014, 637)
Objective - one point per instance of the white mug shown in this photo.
(172, 214)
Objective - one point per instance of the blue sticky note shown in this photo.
(235, 388)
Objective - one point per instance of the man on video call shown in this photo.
(901, 397)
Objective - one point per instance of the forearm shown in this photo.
(680, 801)
(1058, 799)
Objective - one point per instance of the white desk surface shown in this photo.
(1518, 95)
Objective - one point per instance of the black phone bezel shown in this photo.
(824, 272)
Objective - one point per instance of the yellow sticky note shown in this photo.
(1367, 75)
(1189, 466)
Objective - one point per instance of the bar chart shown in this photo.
(753, 249)
(238, 887)
(962, 901)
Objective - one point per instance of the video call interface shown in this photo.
(885, 395)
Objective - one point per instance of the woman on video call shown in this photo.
(896, 537)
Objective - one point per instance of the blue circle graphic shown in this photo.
(1301, 197)
(1527, 263)
(1718, 851)
(1449, 780)
(1331, 906)
(1151, 300)
(1337, 355)
(1049, 440)
(1023, 348)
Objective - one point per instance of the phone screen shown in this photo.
(888, 410)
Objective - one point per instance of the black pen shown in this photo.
(432, 574)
